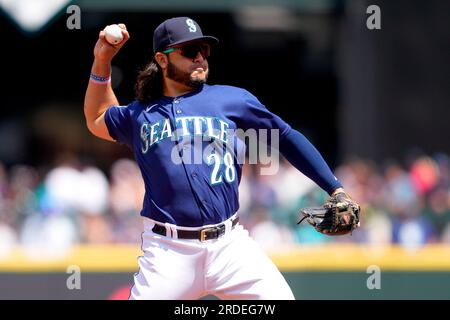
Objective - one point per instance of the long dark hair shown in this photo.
(149, 84)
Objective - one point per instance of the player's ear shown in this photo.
(161, 59)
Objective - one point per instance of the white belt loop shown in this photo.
(174, 231)
(228, 225)
(168, 229)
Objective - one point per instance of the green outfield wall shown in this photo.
(325, 272)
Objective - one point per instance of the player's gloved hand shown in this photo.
(339, 215)
(104, 51)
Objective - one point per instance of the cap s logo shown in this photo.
(191, 25)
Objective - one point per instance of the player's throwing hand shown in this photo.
(104, 51)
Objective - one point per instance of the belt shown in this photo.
(208, 233)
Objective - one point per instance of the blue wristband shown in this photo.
(99, 79)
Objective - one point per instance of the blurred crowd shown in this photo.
(69, 204)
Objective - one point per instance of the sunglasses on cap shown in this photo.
(191, 51)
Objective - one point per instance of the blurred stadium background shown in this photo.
(374, 102)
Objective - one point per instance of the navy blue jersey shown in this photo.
(180, 189)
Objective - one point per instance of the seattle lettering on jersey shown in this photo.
(208, 127)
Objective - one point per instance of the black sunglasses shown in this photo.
(191, 51)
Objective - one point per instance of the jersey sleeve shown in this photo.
(118, 122)
(256, 116)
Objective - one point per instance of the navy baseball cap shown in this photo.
(178, 30)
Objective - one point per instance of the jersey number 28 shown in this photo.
(217, 174)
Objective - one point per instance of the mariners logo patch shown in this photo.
(191, 25)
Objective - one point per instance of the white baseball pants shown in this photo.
(231, 267)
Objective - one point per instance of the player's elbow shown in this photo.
(99, 131)
(91, 126)
(97, 127)
(90, 121)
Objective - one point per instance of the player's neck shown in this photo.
(174, 89)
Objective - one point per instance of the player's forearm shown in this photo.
(307, 159)
(99, 97)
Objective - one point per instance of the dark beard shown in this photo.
(183, 77)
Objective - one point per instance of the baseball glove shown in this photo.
(339, 215)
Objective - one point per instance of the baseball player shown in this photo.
(193, 244)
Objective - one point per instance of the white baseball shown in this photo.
(113, 34)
